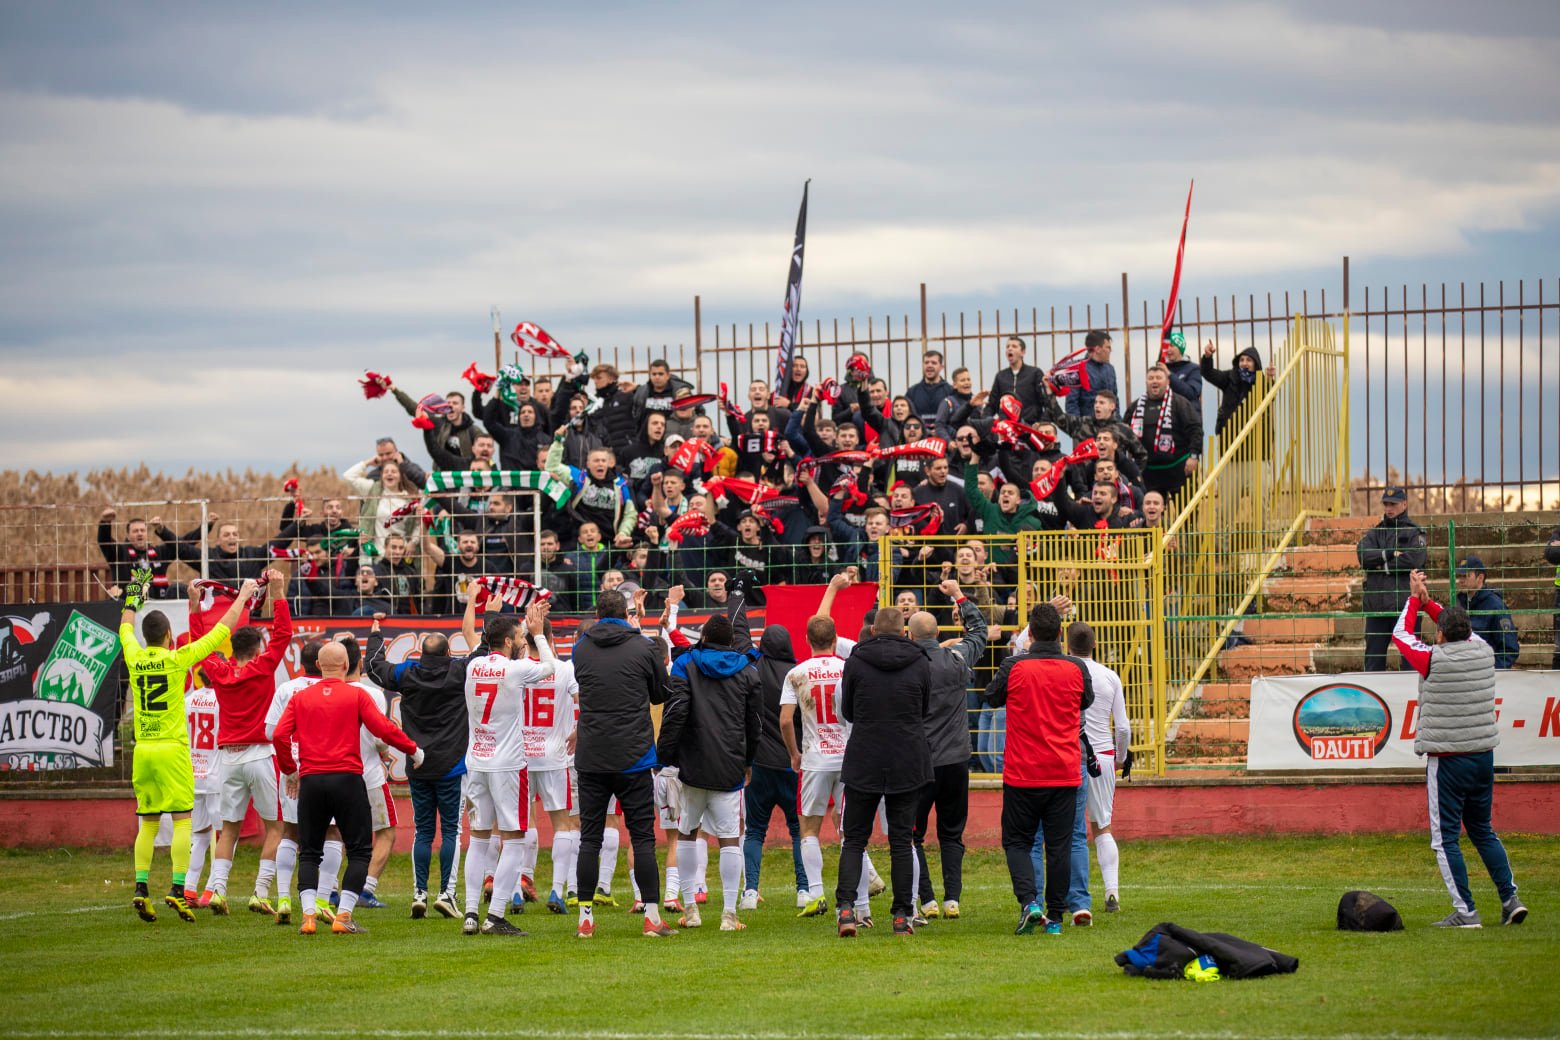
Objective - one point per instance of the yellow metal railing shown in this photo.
(1281, 460)
(1161, 612)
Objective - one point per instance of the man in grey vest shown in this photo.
(1457, 734)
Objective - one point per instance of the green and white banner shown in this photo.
(59, 685)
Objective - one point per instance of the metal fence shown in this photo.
(1456, 388)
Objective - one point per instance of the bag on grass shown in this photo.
(1367, 912)
(1166, 950)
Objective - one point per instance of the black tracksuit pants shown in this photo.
(636, 796)
(860, 811)
(342, 796)
(950, 795)
(1024, 811)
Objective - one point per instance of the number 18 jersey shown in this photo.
(550, 718)
(824, 733)
(497, 712)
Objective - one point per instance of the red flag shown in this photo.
(1175, 282)
(794, 605)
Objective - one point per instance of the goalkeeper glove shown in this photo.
(1126, 765)
(135, 591)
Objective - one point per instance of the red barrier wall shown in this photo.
(106, 818)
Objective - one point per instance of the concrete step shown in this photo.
(1279, 628)
(1228, 700)
(1203, 731)
(1350, 657)
(1306, 595)
(1323, 559)
(1244, 662)
(1338, 530)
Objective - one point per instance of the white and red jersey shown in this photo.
(200, 710)
(824, 733)
(497, 711)
(551, 710)
(279, 701)
(368, 744)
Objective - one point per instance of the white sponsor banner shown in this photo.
(1367, 720)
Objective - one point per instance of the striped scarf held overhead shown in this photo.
(511, 479)
(515, 592)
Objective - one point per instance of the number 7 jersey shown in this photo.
(824, 733)
(550, 718)
(498, 711)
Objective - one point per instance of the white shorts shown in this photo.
(495, 800)
(208, 811)
(663, 815)
(289, 804)
(381, 806)
(245, 782)
(554, 789)
(814, 788)
(1101, 796)
(716, 813)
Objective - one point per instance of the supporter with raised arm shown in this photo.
(1185, 379)
(598, 493)
(453, 433)
(1102, 374)
(228, 560)
(1456, 732)
(135, 553)
(1021, 379)
(383, 497)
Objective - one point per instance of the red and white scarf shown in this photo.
(515, 592)
(1164, 436)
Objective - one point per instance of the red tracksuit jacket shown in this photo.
(1045, 692)
(244, 693)
(324, 720)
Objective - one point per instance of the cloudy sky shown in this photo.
(239, 209)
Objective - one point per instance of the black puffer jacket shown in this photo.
(952, 671)
(613, 421)
(776, 658)
(433, 703)
(885, 694)
(713, 720)
(1387, 553)
(619, 678)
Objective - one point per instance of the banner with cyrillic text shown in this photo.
(1367, 720)
(59, 685)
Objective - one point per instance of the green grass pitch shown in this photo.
(78, 963)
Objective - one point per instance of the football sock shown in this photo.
(330, 866)
(915, 877)
(348, 902)
(199, 845)
(730, 876)
(529, 846)
(863, 902)
(220, 868)
(370, 884)
(145, 841)
(309, 897)
(476, 871)
(506, 875)
(264, 876)
(653, 913)
(868, 870)
(180, 850)
(286, 866)
(701, 864)
(609, 858)
(585, 912)
(687, 853)
(565, 855)
(671, 882)
(495, 849)
(812, 863)
(1110, 862)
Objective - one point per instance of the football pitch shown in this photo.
(78, 963)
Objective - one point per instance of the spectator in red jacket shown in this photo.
(324, 719)
(1045, 692)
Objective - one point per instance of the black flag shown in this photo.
(790, 320)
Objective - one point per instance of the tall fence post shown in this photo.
(923, 317)
(698, 340)
(1126, 342)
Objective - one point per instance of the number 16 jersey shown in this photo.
(824, 733)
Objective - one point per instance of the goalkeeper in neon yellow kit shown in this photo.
(162, 775)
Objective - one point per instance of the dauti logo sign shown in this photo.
(1342, 721)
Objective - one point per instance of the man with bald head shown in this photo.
(324, 720)
(948, 739)
(433, 710)
(885, 693)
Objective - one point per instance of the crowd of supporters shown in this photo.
(789, 486)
